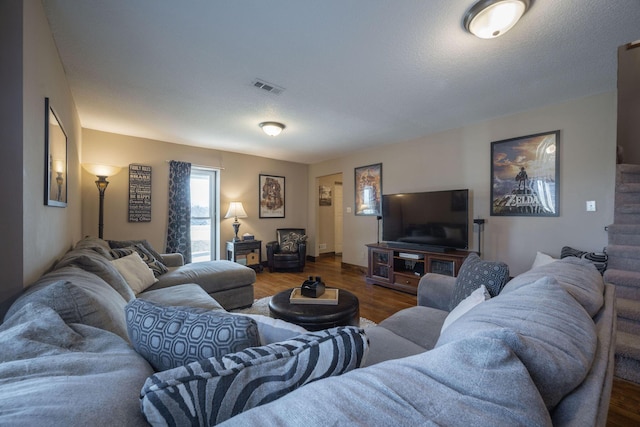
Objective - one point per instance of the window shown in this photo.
(204, 219)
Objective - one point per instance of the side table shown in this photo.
(246, 252)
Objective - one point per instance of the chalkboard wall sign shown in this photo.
(139, 193)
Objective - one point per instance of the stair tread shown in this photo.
(628, 187)
(629, 168)
(622, 277)
(628, 308)
(632, 251)
(628, 345)
(624, 228)
(629, 208)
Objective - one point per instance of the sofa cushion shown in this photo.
(420, 325)
(79, 297)
(475, 272)
(95, 244)
(489, 387)
(156, 265)
(213, 390)
(212, 276)
(578, 277)
(135, 271)
(478, 296)
(187, 295)
(544, 326)
(96, 263)
(56, 374)
(174, 336)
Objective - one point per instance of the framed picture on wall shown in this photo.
(271, 196)
(525, 175)
(324, 196)
(55, 159)
(368, 190)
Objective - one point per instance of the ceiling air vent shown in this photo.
(269, 87)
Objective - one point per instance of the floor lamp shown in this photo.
(102, 172)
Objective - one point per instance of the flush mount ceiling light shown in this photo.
(272, 128)
(488, 19)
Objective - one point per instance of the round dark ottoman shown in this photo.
(315, 317)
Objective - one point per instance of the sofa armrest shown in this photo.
(436, 290)
(172, 260)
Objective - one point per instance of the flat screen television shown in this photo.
(435, 220)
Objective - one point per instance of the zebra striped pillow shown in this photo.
(213, 390)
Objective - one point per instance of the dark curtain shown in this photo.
(179, 228)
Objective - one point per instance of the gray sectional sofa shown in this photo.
(539, 353)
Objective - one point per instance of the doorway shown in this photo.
(330, 214)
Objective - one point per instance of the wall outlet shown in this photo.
(591, 206)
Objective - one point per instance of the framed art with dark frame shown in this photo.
(368, 189)
(525, 175)
(55, 159)
(271, 196)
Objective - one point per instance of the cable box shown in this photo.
(410, 256)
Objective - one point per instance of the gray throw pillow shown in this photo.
(169, 337)
(213, 390)
(599, 259)
(475, 272)
(115, 244)
(154, 264)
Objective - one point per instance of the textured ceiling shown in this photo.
(355, 73)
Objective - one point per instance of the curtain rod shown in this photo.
(201, 166)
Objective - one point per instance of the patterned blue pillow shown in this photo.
(475, 272)
(213, 390)
(175, 336)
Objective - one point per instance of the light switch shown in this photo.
(348, 209)
(591, 206)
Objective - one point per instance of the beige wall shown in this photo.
(460, 158)
(34, 234)
(238, 182)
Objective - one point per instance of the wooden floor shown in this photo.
(377, 303)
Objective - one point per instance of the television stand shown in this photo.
(401, 268)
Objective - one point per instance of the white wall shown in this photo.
(238, 182)
(460, 158)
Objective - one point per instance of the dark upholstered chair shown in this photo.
(289, 252)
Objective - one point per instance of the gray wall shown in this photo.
(460, 158)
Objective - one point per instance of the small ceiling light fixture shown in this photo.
(488, 19)
(272, 128)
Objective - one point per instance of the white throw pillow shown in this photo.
(542, 259)
(479, 295)
(135, 271)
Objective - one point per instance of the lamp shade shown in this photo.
(236, 210)
(101, 170)
(272, 128)
(488, 19)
